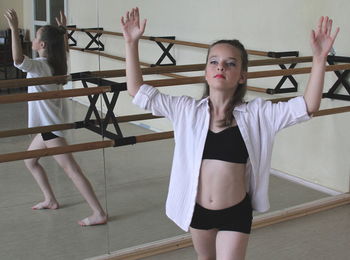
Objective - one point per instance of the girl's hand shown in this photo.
(62, 21)
(132, 30)
(321, 38)
(11, 18)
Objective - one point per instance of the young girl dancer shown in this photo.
(50, 44)
(223, 145)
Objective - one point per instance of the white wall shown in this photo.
(7, 4)
(316, 150)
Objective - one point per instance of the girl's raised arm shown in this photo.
(321, 43)
(17, 53)
(132, 31)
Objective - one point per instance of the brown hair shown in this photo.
(53, 36)
(238, 96)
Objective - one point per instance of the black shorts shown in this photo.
(237, 218)
(48, 136)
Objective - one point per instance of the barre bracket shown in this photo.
(278, 89)
(342, 79)
(165, 50)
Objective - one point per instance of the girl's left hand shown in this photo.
(11, 18)
(321, 38)
(62, 21)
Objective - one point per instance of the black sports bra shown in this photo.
(227, 145)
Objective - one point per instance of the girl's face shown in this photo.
(224, 68)
(37, 43)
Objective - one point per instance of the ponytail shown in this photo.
(53, 36)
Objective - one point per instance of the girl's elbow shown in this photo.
(18, 61)
(132, 92)
(313, 109)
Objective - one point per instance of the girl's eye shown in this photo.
(231, 64)
(213, 62)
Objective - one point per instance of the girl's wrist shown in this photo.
(319, 58)
(132, 42)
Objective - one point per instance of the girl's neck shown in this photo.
(219, 101)
(42, 53)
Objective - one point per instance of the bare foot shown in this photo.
(46, 205)
(93, 220)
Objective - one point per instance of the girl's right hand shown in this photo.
(62, 20)
(11, 18)
(131, 27)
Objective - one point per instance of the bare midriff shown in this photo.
(221, 184)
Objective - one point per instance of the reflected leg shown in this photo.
(40, 176)
(74, 172)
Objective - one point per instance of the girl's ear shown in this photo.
(43, 44)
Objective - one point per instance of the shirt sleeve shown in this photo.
(35, 67)
(160, 104)
(284, 114)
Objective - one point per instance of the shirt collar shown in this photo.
(241, 108)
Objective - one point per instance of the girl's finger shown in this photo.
(324, 25)
(329, 27)
(335, 34)
(319, 25)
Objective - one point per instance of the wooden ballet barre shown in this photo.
(332, 111)
(36, 130)
(301, 210)
(183, 81)
(157, 83)
(159, 39)
(200, 67)
(16, 83)
(145, 71)
(84, 147)
(123, 59)
(55, 150)
(277, 61)
(262, 90)
(197, 67)
(287, 72)
(60, 127)
(13, 98)
(250, 75)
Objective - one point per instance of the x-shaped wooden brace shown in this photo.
(70, 35)
(94, 39)
(341, 76)
(110, 117)
(166, 52)
(278, 88)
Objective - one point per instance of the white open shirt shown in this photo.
(258, 121)
(42, 112)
